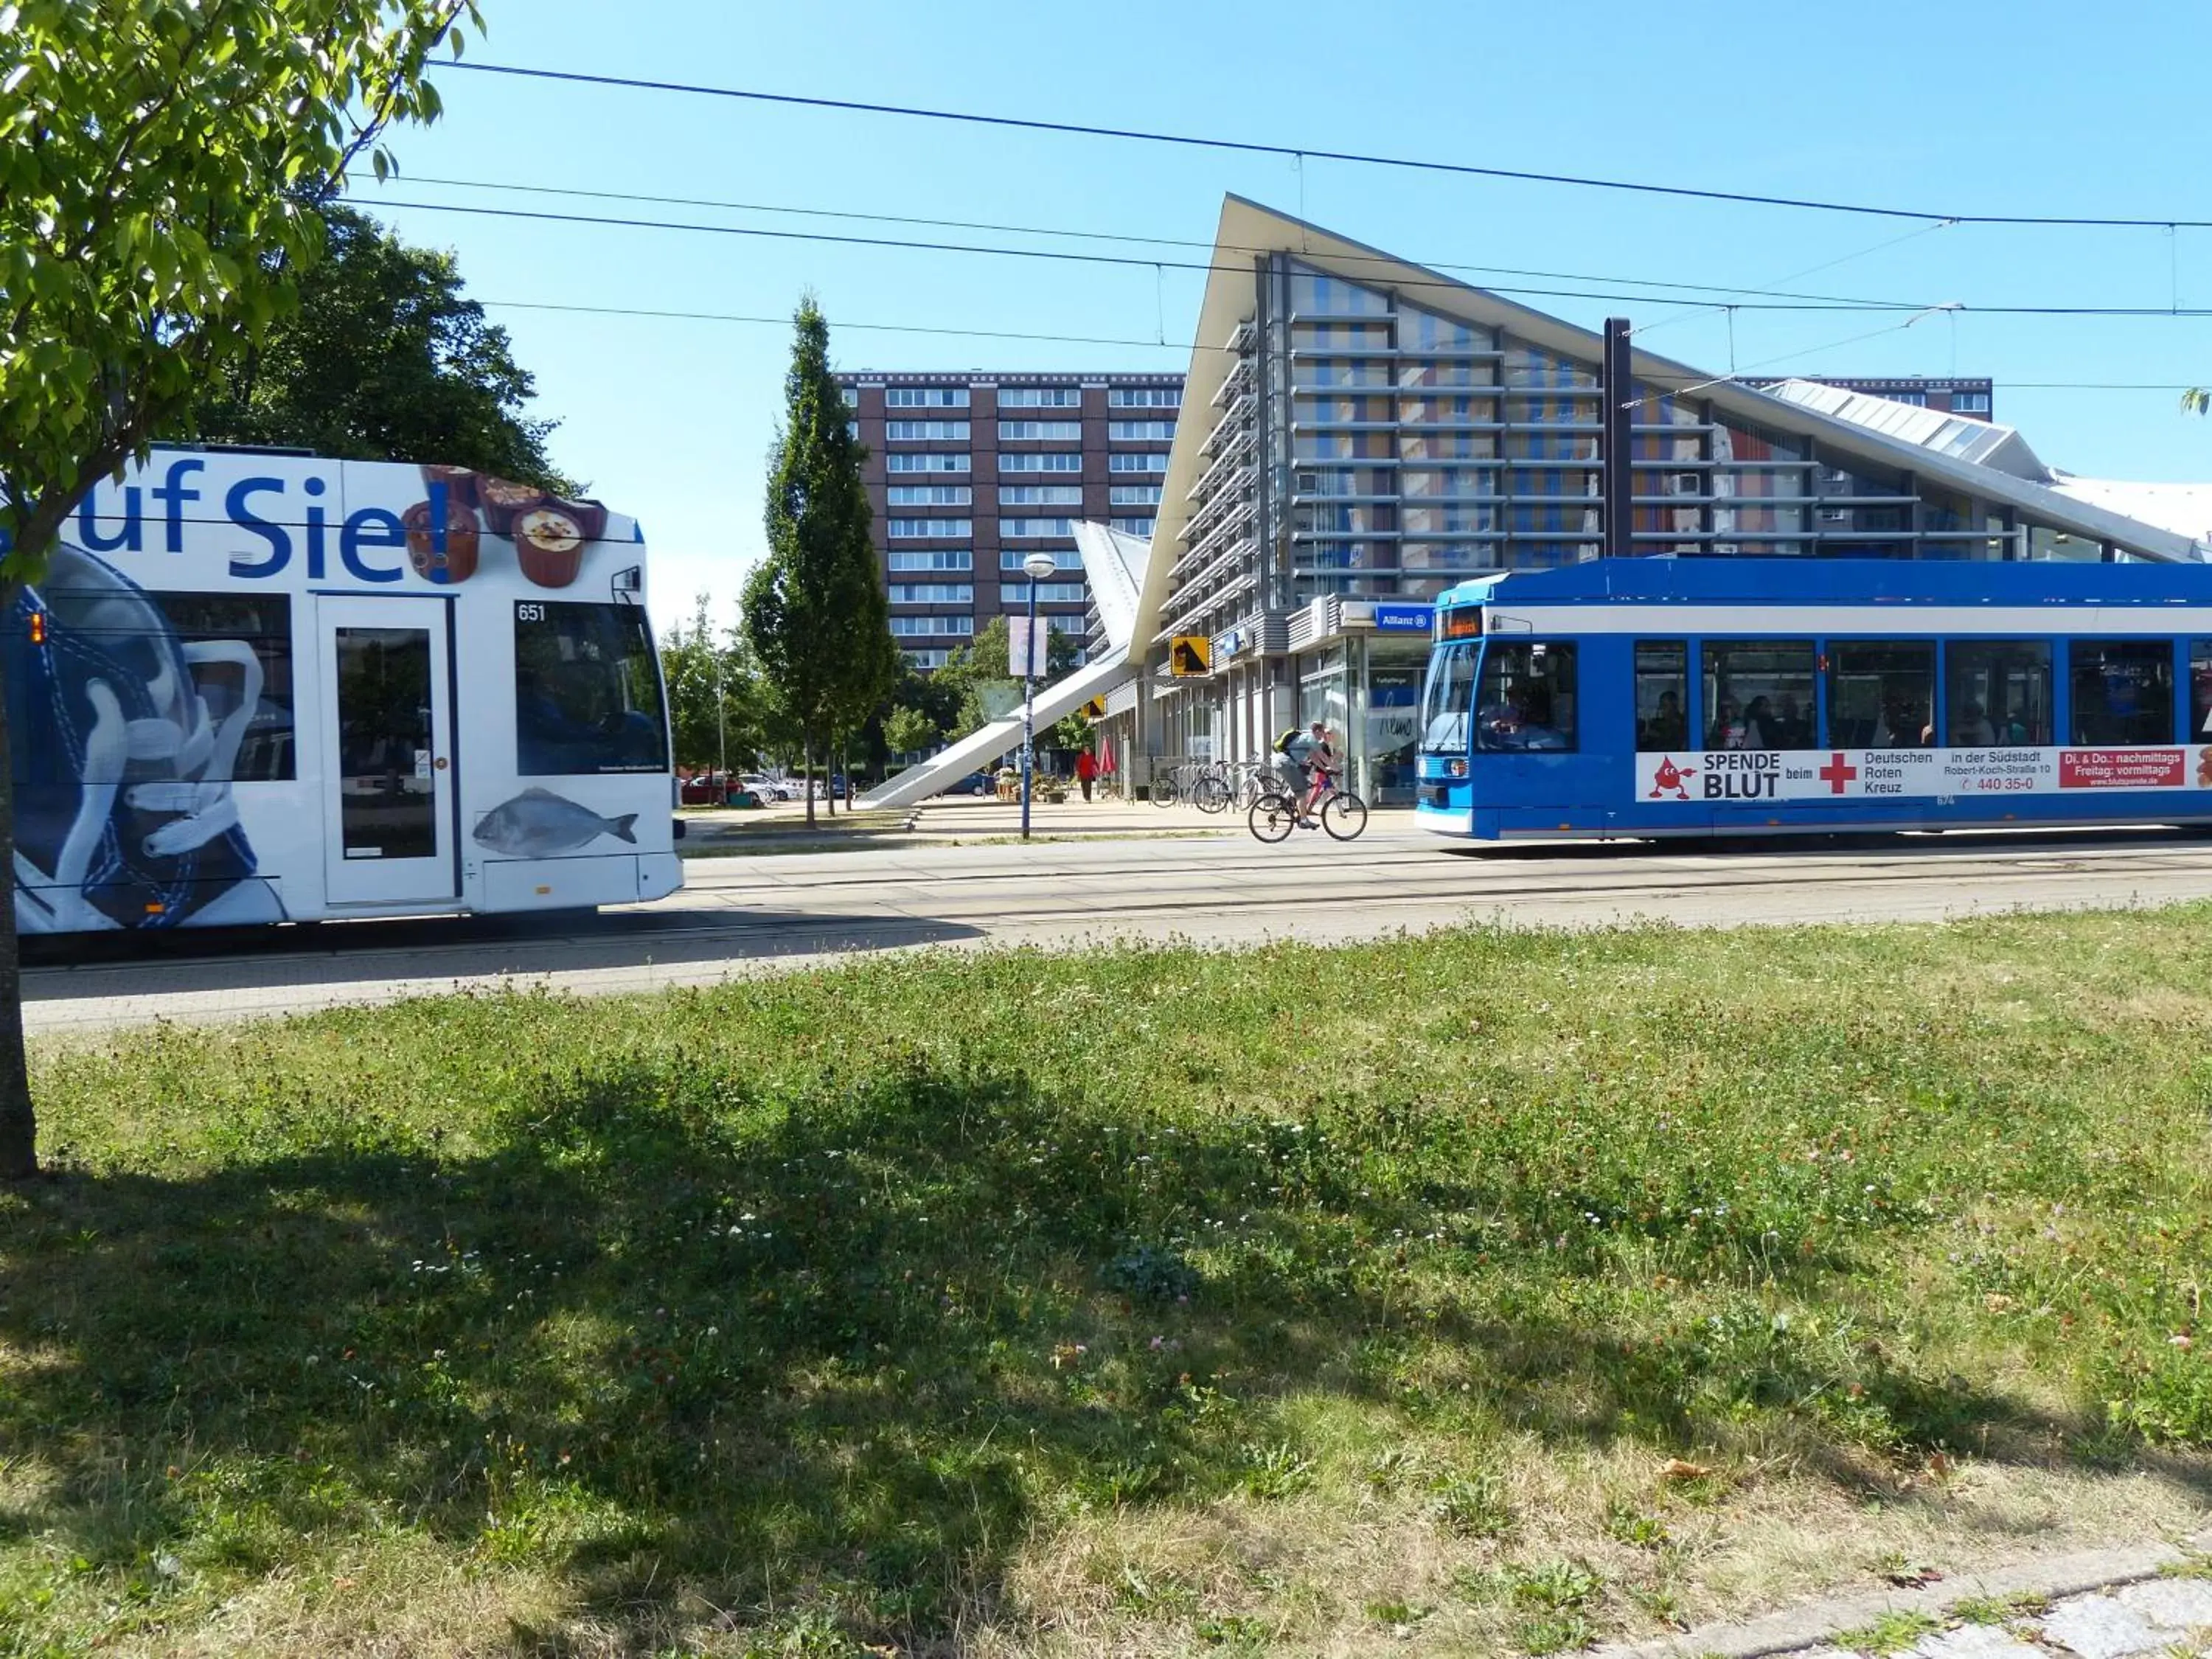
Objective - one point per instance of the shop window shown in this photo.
(2123, 691)
(1881, 693)
(1662, 695)
(1759, 694)
(1997, 693)
(1525, 699)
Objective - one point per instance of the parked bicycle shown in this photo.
(1276, 813)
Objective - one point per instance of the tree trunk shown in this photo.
(19, 1124)
(829, 770)
(806, 771)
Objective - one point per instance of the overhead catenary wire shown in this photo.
(1687, 312)
(1302, 153)
(650, 313)
(1802, 351)
(1068, 235)
(1127, 261)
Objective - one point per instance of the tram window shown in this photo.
(237, 647)
(1662, 695)
(1444, 699)
(1759, 694)
(1881, 693)
(216, 666)
(2122, 690)
(2200, 691)
(587, 692)
(1997, 693)
(1525, 699)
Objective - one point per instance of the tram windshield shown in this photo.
(1446, 698)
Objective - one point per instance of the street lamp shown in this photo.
(721, 729)
(1037, 568)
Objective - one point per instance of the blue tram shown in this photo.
(1663, 696)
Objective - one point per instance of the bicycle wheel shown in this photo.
(1344, 814)
(1163, 789)
(1211, 794)
(1272, 818)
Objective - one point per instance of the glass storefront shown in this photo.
(1394, 668)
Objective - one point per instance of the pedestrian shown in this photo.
(1086, 768)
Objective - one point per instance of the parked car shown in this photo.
(975, 783)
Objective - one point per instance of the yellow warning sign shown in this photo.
(1189, 654)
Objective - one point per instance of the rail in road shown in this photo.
(754, 915)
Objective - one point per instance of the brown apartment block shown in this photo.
(969, 473)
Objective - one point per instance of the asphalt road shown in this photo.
(761, 913)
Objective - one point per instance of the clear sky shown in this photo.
(2025, 108)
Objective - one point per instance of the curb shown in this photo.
(1796, 1628)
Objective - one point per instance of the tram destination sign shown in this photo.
(1939, 775)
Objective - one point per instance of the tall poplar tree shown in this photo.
(815, 610)
(161, 166)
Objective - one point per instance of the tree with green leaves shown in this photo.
(815, 609)
(717, 704)
(911, 730)
(162, 164)
(386, 359)
(976, 673)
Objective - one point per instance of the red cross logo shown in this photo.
(1836, 774)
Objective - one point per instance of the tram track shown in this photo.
(812, 910)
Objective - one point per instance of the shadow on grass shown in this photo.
(702, 1356)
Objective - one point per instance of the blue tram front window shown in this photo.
(1446, 699)
(1526, 697)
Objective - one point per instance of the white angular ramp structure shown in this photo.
(1113, 563)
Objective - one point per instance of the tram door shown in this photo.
(387, 747)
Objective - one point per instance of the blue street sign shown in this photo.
(1404, 618)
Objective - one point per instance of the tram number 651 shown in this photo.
(526, 611)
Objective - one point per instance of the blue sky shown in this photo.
(1976, 108)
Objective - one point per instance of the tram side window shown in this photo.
(216, 666)
(587, 692)
(1998, 693)
(1526, 700)
(2200, 691)
(1445, 700)
(1662, 695)
(1881, 693)
(237, 649)
(2122, 690)
(1759, 694)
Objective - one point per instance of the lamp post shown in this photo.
(1037, 568)
(721, 729)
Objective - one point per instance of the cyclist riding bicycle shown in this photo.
(1323, 765)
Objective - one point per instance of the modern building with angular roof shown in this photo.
(1359, 432)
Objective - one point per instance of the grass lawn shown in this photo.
(1487, 1292)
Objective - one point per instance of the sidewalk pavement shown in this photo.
(2100, 1604)
(969, 817)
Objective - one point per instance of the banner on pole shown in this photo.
(1021, 644)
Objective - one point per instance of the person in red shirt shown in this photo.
(1086, 770)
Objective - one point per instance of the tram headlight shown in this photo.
(1459, 768)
